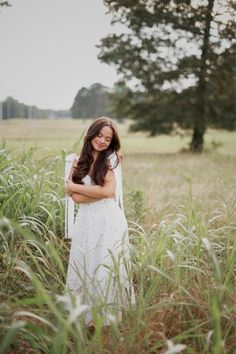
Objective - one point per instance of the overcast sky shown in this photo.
(48, 50)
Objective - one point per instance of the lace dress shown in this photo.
(100, 257)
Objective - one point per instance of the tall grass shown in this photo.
(183, 268)
(31, 190)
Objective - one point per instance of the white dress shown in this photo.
(99, 263)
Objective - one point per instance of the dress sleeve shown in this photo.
(69, 203)
(116, 165)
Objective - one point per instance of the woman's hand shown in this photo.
(70, 187)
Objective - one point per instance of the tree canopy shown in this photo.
(4, 3)
(181, 54)
(12, 108)
(91, 102)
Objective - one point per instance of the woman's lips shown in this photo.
(100, 145)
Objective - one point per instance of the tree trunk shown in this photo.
(199, 127)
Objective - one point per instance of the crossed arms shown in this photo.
(81, 193)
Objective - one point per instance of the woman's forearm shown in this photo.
(79, 198)
(95, 191)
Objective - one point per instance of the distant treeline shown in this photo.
(89, 102)
(11, 108)
(92, 102)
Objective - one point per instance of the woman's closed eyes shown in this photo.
(100, 135)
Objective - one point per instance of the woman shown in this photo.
(99, 256)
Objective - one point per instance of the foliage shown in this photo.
(11, 108)
(28, 191)
(180, 54)
(4, 3)
(91, 102)
(135, 210)
(183, 268)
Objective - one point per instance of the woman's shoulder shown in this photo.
(72, 160)
(115, 159)
(76, 160)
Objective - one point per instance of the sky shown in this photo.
(48, 50)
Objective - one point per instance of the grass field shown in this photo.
(181, 210)
(67, 134)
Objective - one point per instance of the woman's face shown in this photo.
(103, 139)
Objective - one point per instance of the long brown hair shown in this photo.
(101, 164)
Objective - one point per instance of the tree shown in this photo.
(4, 3)
(119, 100)
(91, 102)
(12, 108)
(221, 92)
(171, 49)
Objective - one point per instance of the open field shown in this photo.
(181, 210)
(67, 134)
